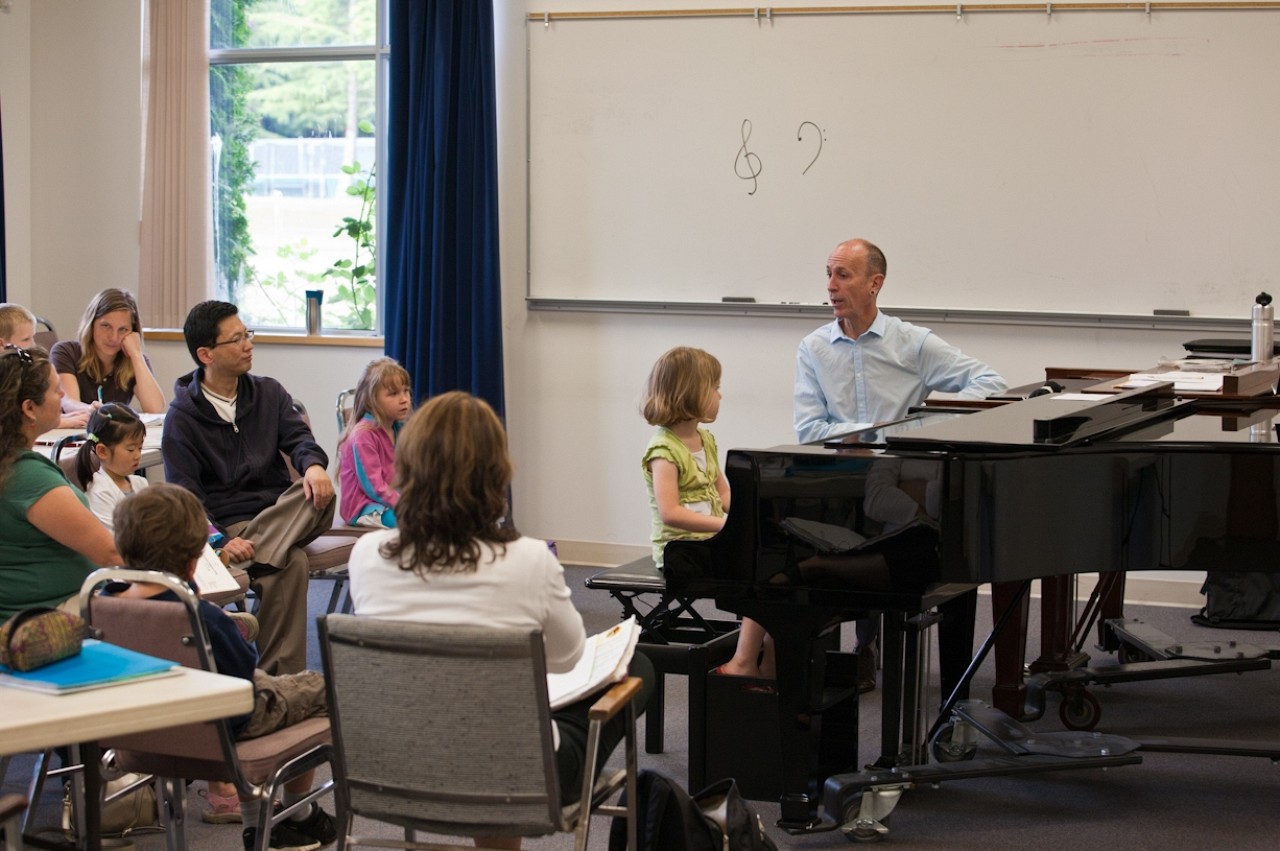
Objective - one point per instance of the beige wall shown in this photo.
(69, 71)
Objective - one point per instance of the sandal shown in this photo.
(221, 810)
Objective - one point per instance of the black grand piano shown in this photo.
(1046, 486)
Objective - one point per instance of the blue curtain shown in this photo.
(442, 294)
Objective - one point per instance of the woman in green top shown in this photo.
(49, 540)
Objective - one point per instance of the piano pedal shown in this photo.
(991, 723)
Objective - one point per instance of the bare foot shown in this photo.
(734, 668)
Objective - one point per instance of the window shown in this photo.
(295, 90)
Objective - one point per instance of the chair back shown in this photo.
(46, 336)
(441, 728)
(168, 630)
(342, 410)
(68, 464)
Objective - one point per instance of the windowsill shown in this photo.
(280, 338)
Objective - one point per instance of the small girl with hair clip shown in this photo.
(367, 449)
(115, 442)
(688, 492)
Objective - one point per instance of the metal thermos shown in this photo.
(1263, 329)
(316, 297)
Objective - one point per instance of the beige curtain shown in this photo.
(175, 267)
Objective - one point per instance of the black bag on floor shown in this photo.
(668, 819)
(1240, 600)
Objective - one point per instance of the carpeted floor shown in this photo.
(1169, 801)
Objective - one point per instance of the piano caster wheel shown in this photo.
(946, 746)
(1080, 710)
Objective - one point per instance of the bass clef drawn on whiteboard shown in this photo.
(800, 138)
(749, 159)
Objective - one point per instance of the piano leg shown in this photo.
(1110, 607)
(800, 673)
(1057, 619)
(1009, 693)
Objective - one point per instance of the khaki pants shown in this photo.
(278, 575)
(282, 701)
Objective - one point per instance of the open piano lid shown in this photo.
(1047, 422)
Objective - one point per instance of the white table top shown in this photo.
(150, 446)
(32, 721)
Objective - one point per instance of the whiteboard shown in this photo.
(1101, 161)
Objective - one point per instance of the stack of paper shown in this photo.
(1196, 382)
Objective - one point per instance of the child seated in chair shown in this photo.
(164, 528)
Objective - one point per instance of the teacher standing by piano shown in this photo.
(864, 368)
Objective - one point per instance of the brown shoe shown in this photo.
(867, 664)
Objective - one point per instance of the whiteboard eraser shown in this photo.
(1159, 312)
(739, 299)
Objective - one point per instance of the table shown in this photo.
(33, 721)
(150, 447)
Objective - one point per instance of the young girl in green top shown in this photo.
(688, 493)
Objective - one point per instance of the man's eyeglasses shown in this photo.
(237, 340)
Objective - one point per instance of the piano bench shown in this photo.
(677, 639)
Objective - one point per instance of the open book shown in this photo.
(212, 576)
(604, 662)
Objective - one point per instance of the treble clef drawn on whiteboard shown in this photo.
(800, 138)
(749, 159)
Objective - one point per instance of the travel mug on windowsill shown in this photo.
(314, 299)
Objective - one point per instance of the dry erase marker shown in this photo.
(99, 394)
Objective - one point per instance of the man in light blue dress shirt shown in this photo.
(865, 367)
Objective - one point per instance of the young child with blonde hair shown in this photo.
(164, 528)
(18, 329)
(367, 449)
(688, 492)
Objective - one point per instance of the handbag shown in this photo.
(740, 827)
(39, 636)
(123, 812)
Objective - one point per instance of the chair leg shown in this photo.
(336, 596)
(172, 794)
(11, 810)
(35, 787)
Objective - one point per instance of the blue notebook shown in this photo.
(98, 664)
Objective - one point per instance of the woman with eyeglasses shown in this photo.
(105, 362)
(49, 540)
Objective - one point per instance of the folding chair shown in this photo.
(458, 740)
(327, 555)
(206, 751)
(73, 441)
(46, 337)
(342, 410)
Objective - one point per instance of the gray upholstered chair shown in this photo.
(205, 751)
(447, 730)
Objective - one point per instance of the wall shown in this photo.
(70, 78)
(573, 379)
(975, 145)
(15, 102)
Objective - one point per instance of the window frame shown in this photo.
(380, 54)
